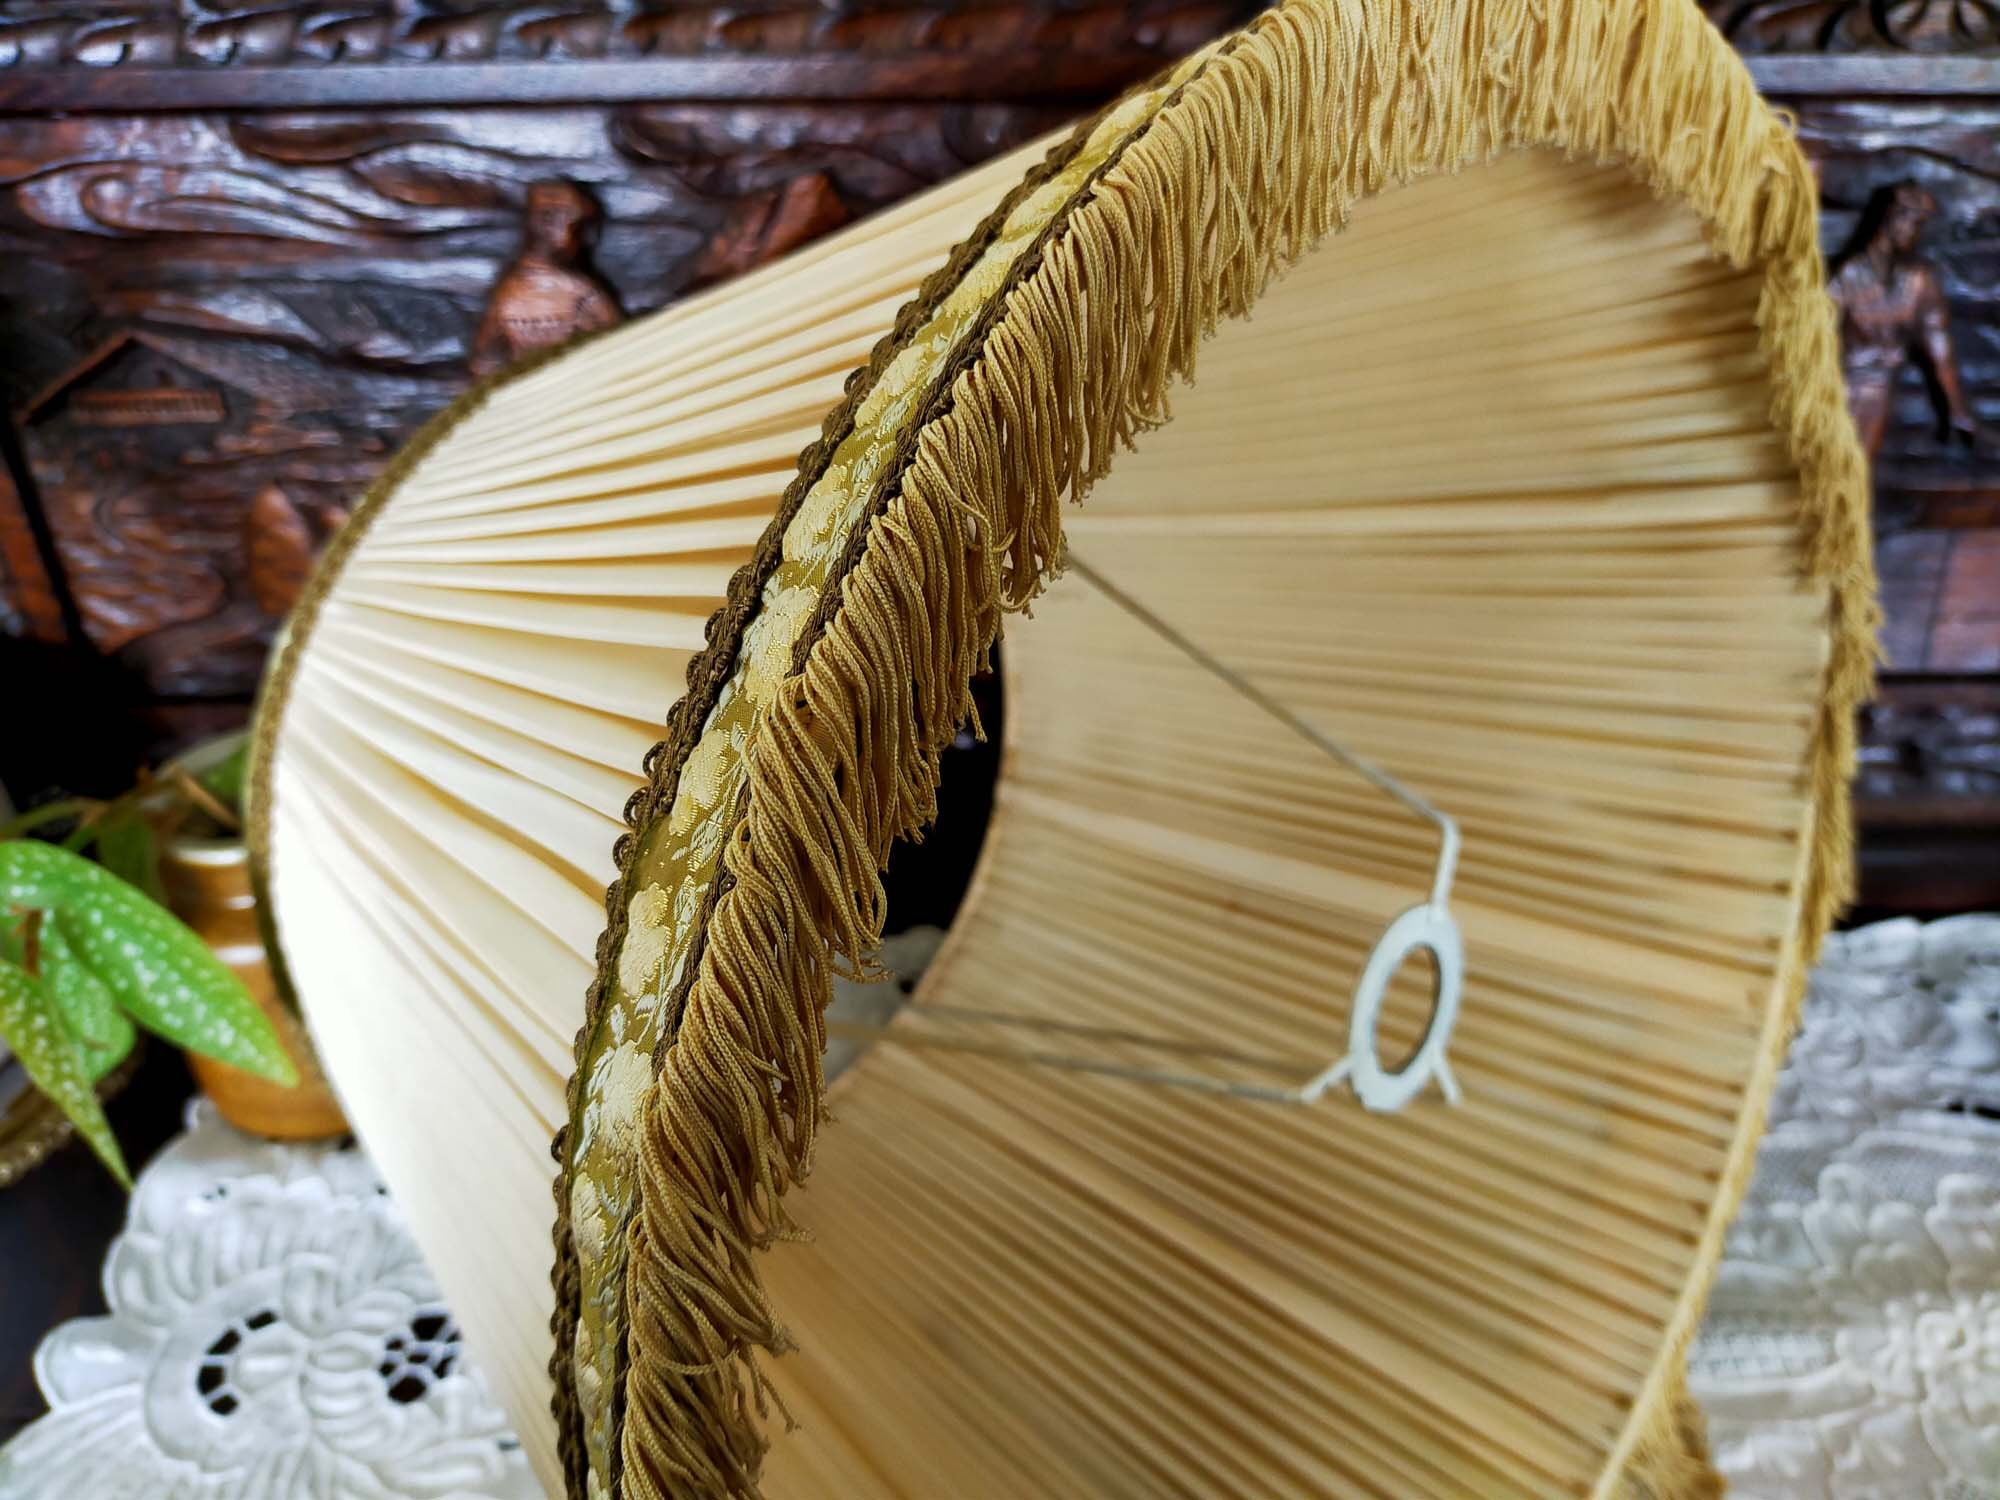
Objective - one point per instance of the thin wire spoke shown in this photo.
(905, 1032)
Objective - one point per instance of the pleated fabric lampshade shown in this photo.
(1532, 486)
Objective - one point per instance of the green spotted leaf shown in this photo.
(127, 848)
(35, 1032)
(224, 779)
(86, 1003)
(160, 973)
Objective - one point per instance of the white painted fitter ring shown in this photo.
(1428, 926)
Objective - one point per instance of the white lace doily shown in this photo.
(274, 1334)
(1852, 1348)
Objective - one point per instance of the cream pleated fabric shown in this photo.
(1532, 486)
(482, 688)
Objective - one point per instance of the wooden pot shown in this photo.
(208, 887)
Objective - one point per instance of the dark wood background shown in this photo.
(244, 251)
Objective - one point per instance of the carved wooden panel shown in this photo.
(223, 325)
(246, 247)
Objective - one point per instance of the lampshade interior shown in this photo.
(1487, 489)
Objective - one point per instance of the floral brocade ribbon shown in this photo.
(679, 857)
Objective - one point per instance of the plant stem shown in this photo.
(207, 801)
(49, 812)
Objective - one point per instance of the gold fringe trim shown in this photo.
(706, 675)
(1317, 105)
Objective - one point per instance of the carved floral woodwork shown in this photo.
(158, 33)
(1920, 26)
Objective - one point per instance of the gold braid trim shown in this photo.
(1315, 106)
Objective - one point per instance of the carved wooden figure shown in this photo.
(549, 295)
(1893, 308)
